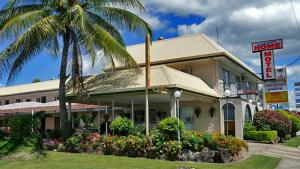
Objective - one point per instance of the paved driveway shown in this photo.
(290, 156)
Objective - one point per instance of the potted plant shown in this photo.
(212, 111)
(198, 111)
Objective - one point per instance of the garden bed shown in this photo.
(162, 143)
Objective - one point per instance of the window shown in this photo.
(43, 99)
(28, 100)
(6, 102)
(18, 100)
(56, 98)
(38, 100)
(238, 82)
(56, 122)
(297, 100)
(1, 123)
(248, 85)
(139, 116)
(297, 89)
(152, 116)
(226, 79)
(0, 103)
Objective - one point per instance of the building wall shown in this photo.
(205, 122)
(50, 95)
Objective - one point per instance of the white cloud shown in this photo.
(240, 23)
(87, 66)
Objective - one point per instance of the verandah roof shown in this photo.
(27, 107)
(161, 76)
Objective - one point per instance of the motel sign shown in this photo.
(267, 45)
(267, 56)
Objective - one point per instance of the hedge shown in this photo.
(265, 136)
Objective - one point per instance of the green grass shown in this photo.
(54, 160)
(293, 142)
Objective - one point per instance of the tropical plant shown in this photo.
(169, 128)
(79, 26)
(122, 126)
(275, 120)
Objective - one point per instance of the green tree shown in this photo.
(79, 26)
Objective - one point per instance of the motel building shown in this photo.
(218, 92)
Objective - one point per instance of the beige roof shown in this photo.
(181, 48)
(161, 77)
(30, 87)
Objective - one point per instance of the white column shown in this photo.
(98, 117)
(106, 125)
(173, 105)
(132, 110)
(113, 109)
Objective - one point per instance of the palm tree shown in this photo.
(79, 26)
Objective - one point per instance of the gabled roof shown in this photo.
(182, 48)
(29, 88)
(161, 76)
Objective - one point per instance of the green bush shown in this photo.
(265, 136)
(21, 129)
(3, 135)
(107, 144)
(248, 126)
(122, 126)
(275, 120)
(192, 141)
(55, 133)
(72, 144)
(294, 120)
(168, 127)
(171, 149)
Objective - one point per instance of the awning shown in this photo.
(121, 81)
(28, 107)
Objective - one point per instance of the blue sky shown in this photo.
(239, 24)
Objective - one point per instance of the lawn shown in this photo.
(54, 160)
(293, 142)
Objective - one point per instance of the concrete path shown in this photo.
(290, 156)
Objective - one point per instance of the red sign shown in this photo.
(267, 45)
(268, 65)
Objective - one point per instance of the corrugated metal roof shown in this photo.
(29, 88)
(161, 77)
(181, 48)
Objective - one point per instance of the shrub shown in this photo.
(248, 126)
(134, 146)
(107, 144)
(122, 126)
(219, 141)
(72, 144)
(168, 127)
(3, 135)
(55, 133)
(171, 149)
(192, 141)
(275, 120)
(294, 120)
(265, 136)
(50, 144)
(235, 145)
(93, 137)
(21, 127)
(120, 147)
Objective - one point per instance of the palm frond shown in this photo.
(107, 26)
(14, 26)
(132, 4)
(28, 45)
(111, 48)
(124, 19)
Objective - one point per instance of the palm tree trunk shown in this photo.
(65, 123)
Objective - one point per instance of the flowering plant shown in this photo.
(50, 144)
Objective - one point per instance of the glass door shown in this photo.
(186, 115)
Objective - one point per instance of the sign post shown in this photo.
(269, 73)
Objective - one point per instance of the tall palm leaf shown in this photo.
(78, 25)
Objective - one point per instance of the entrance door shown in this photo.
(229, 119)
(186, 115)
